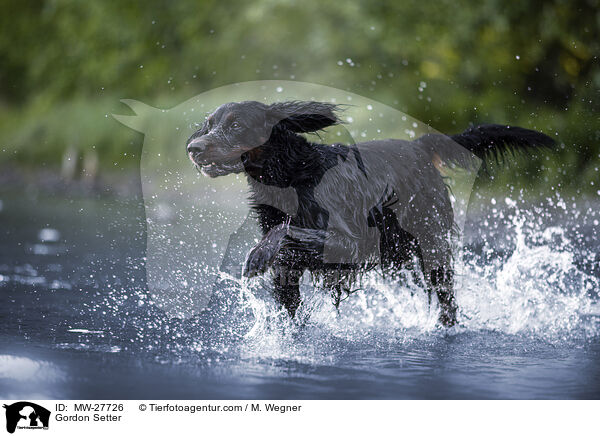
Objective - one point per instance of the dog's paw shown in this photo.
(448, 316)
(259, 259)
(262, 256)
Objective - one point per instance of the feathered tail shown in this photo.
(485, 141)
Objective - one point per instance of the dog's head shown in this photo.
(226, 141)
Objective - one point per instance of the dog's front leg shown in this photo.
(261, 257)
(305, 245)
(291, 250)
(286, 284)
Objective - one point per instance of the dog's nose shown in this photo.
(197, 145)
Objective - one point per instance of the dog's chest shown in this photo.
(283, 199)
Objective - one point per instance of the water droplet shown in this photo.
(49, 235)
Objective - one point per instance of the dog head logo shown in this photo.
(26, 415)
(177, 200)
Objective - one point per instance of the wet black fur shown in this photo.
(408, 203)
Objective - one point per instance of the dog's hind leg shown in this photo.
(442, 282)
(429, 219)
(439, 276)
(398, 249)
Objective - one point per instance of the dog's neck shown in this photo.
(272, 171)
(279, 160)
(284, 172)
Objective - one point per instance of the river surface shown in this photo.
(78, 320)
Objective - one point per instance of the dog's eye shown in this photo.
(235, 125)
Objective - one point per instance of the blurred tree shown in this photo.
(448, 63)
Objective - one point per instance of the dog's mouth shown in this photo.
(216, 169)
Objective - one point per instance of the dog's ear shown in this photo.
(303, 116)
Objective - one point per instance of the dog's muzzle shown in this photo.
(212, 166)
(197, 145)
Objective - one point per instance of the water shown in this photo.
(77, 320)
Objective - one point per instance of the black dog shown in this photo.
(338, 210)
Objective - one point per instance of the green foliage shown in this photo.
(64, 65)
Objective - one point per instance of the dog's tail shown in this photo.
(487, 141)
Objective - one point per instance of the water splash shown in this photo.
(525, 270)
(529, 282)
(538, 289)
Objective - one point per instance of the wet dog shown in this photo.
(338, 210)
